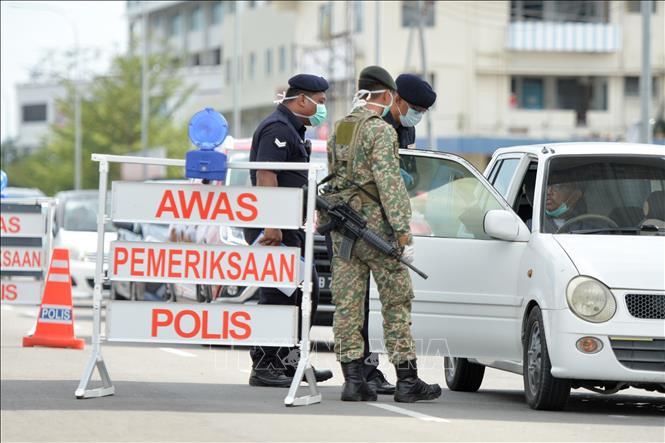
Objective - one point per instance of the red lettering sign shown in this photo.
(9, 292)
(12, 225)
(206, 207)
(190, 324)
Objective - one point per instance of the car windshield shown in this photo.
(604, 194)
(80, 214)
(240, 177)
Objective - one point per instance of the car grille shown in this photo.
(643, 355)
(650, 306)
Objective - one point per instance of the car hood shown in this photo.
(83, 241)
(620, 262)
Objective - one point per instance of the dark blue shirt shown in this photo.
(405, 136)
(281, 138)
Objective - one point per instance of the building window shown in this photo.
(636, 6)
(269, 61)
(194, 59)
(411, 13)
(175, 25)
(358, 16)
(282, 58)
(251, 69)
(33, 113)
(195, 19)
(217, 13)
(216, 56)
(156, 23)
(560, 11)
(325, 21)
(528, 92)
(631, 87)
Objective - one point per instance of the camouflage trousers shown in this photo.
(349, 285)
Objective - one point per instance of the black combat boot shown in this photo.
(378, 382)
(410, 388)
(355, 386)
(270, 377)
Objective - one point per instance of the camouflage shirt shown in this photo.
(376, 160)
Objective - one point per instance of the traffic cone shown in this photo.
(55, 324)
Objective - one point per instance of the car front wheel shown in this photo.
(462, 375)
(543, 391)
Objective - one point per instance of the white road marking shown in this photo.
(407, 412)
(178, 352)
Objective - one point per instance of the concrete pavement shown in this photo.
(197, 393)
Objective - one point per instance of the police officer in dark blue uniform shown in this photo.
(281, 138)
(414, 97)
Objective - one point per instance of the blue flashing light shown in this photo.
(3, 181)
(207, 130)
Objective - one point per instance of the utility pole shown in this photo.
(145, 89)
(236, 70)
(423, 58)
(377, 32)
(645, 78)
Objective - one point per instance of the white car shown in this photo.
(76, 230)
(554, 269)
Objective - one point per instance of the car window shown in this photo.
(240, 177)
(447, 200)
(501, 180)
(80, 213)
(603, 192)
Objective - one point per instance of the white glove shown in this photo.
(409, 254)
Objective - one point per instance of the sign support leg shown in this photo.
(96, 359)
(304, 368)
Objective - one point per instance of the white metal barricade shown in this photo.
(185, 203)
(26, 240)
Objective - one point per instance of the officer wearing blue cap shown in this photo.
(414, 97)
(281, 138)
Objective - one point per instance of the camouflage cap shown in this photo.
(376, 74)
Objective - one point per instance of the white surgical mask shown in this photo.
(315, 119)
(359, 101)
(412, 117)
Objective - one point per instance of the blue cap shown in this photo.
(415, 90)
(208, 129)
(308, 82)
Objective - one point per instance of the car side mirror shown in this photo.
(504, 225)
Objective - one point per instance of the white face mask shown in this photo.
(359, 101)
(411, 118)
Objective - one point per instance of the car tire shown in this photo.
(542, 390)
(203, 293)
(463, 375)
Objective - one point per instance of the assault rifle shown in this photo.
(352, 226)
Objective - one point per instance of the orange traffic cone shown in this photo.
(55, 324)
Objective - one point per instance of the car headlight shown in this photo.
(232, 235)
(590, 300)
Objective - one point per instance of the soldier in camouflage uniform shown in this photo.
(364, 158)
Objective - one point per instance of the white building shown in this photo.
(505, 71)
(36, 107)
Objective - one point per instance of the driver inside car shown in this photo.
(564, 201)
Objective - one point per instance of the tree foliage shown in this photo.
(110, 124)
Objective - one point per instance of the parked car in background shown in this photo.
(75, 228)
(14, 192)
(550, 266)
